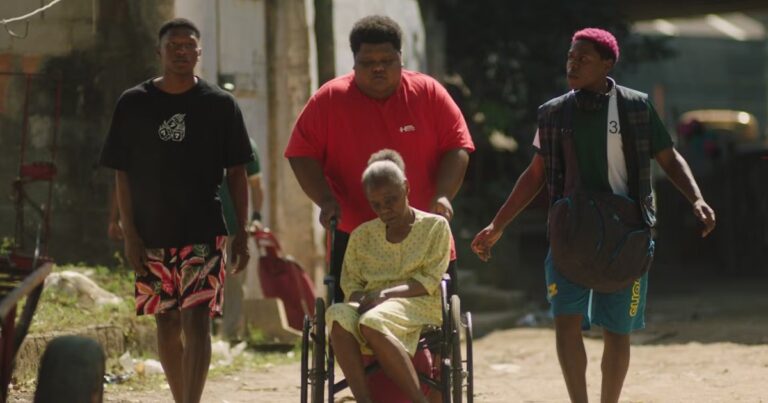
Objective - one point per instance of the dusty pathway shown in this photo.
(520, 366)
(703, 347)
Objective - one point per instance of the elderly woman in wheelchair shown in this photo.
(391, 277)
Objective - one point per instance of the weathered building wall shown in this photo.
(234, 51)
(272, 79)
(291, 70)
(266, 48)
(98, 49)
(102, 48)
(405, 12)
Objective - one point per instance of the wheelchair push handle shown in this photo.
(329, 280)
(332, 224)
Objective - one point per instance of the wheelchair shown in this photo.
(455, 381)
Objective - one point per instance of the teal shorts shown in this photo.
(620, 312)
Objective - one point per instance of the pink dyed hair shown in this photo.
(601, 37)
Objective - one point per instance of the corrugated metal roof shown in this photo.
(736, 26)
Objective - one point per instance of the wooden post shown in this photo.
(289, 87)
(326, 58)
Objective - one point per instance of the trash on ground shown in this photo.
(140, 367)
(113, 379)
(226, 353)
(79, 286)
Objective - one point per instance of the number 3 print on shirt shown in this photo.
(613, 127)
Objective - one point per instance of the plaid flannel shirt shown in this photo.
(555, 124)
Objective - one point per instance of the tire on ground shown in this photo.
(71, 370)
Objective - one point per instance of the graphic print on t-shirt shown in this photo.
(173, 128)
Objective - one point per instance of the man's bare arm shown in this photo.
(528, 185)
(134, 245)
(450, 176)
(678, 171)
(238, 191)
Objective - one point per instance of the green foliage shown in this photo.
(512, 55)
(57, 311)
(255, 336)
(119, 260)
(61, 312)
(6, 245)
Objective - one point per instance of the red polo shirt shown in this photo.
(341, 127)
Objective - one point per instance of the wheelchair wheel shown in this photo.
(457, 371)
(305, 358)
(470, 367)
(318, 373)
(445, 344)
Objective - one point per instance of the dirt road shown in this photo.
(520, 365)
(702, 344)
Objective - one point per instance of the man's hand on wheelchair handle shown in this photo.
(442, 206)
(329, 208)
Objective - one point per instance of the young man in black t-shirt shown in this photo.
(171, 140)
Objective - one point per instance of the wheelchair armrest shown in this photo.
(330, 285)
(329, 280)
(445, 285)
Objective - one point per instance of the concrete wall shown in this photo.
(405, 12)
(234, 51)
(292, 76)
(234, 47)
(98, 49)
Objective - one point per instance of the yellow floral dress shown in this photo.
(373, 263)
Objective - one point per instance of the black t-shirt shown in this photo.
(175, 148)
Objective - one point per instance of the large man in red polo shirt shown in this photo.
(378, 105)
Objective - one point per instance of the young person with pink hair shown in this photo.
(598, 138)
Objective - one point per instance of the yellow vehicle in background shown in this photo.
(717, 134)
(741, 125)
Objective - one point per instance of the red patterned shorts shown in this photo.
(182, 278)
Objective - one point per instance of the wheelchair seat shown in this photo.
(451, 374)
